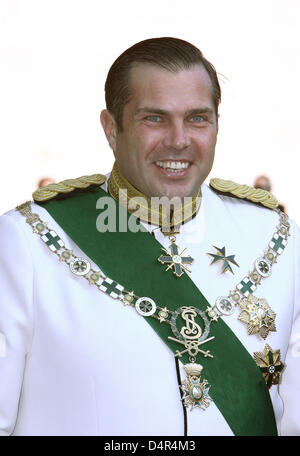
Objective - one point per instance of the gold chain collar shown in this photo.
(144, 209)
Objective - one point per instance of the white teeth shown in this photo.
(174, 166)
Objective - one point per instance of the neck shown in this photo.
(168, 213)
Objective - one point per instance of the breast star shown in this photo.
(270, 365)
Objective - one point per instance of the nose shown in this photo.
(177, 136)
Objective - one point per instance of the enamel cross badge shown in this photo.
(195, 392)
(176, 260)
(221, 256)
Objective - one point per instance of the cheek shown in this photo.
(149, 138)
(136, 152)
(206, 144)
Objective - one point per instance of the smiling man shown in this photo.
(188, 325)
(171, 139)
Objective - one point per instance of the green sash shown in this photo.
(237, 386)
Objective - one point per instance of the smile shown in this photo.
(173, 166)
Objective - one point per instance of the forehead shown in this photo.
(166, 89)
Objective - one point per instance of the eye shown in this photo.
(197, 119)
(154, 118)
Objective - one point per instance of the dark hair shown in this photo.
(172, 54)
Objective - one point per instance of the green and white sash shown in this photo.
(237, 386)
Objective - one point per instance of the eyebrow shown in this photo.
(154, 110)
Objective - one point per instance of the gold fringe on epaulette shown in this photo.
(256, 195)
(52, 190)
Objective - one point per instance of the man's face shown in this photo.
(169, 132)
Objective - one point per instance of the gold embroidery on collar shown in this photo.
(136, 202)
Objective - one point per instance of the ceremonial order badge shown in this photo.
(175, 260)
(221, 256)
(191, 336)
(270, 365)
(195, 393)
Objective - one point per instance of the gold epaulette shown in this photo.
(256, 195)
(67, 186)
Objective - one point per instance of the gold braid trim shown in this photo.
(127, 195)
(52, 190)
(256, 195)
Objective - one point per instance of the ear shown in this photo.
(110, 128)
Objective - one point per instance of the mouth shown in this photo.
(173, 167)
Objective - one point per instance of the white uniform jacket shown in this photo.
(74, 361)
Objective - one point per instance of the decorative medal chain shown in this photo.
(256, 313)
(189, 336)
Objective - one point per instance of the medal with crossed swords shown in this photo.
(191, 336)
(175, 260)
